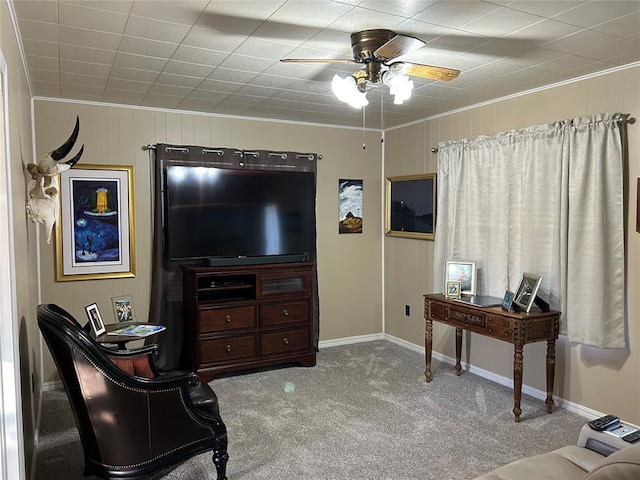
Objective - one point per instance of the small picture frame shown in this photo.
(507, 301)
(463, 271)
(527, 291)
(123, 309)
(95, 319)
(452, 289)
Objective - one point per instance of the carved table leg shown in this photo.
(428, 343)
(458, 350)
(517, 381)
(551, 371)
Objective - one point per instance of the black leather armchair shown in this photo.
(130, 426)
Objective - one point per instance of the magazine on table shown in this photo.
(137, 330)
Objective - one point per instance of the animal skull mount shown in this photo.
(42, 204)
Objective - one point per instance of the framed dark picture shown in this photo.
(95, 319)
(410, 206)
(452, 289)
(507, 300)
(527, 291)
(462, 271)
(95, 233)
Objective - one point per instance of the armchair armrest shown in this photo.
(144, 350)
(602, 442)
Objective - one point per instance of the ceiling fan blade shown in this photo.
(426, 71)
(398, 45)
(318, 60)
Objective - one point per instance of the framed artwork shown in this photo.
(527, 290)
(349, 206)
(123, 309)
(95, 319)
(453, 289)
(507, 301)
(463, 272)
(410, 206)
(95, 235)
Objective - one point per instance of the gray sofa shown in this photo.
(597, 456)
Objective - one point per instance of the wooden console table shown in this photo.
(515, 328)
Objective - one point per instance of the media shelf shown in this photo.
(242, 317)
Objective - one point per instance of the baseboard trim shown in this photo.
(53, 385)
(350, 340)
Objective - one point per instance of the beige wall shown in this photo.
(349, 266)
(24, 235)
(602, 380)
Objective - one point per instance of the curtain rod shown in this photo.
(626, 119)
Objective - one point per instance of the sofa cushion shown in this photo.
(621, 465)
(566, 463)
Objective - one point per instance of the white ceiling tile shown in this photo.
(112, 95)
(408, 8)
(245, 63)
(81, 17)
(209, 95)
(89, 38)
(241, 17)
(161, 101)
(43, 63)
(85, 54)
(133, 74)
(146, 47)
(501, 22)
(156, 30)
(40, 48)
(456, 14)
(45, 32)
(85, 68)
(622, 26)
(605, 51)
(359, 19)
(256, 47)
(576, 42)
(77, 79)
(142, 62)
(119, 6)
(199, 56)
(82, 92)
(158, 89)
(129, 85)
(186, 68)
(185, 12)
(229, 75)
(564, 63)
(178, 80)
(544, 8)
(40, 11)
(590, 14)
(203, 38)
(46, 88)
(44, 75)
(197, 104)
(543, 32)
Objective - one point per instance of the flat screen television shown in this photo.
(212, 213)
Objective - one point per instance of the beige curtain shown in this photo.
(546, 200)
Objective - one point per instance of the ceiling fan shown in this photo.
(377, 49)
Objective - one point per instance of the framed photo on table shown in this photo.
(527, 291)
(123, 309)
(463, 271)
(95, 319)
(95, 236)
(452, 289)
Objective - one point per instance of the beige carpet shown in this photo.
(364, 412)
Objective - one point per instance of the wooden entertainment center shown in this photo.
(247, 316)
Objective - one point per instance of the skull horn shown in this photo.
(66, 147)
(75, 159)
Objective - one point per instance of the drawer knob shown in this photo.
(228, 348)
(285, 312)
(285, 341)
(228, 318)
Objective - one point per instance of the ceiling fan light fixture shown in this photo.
(346, 90)
(400, 86)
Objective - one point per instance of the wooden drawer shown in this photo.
(499, 327)
(286, 312)
(227, 349)
(276, 343)
(223, 319)
(438, 311)
(466, 317)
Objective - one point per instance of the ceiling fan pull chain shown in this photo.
(364, 144)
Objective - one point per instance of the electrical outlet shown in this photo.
(407, 310)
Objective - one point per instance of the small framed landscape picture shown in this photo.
(461, 271)
(527, 290)
(123, 309)
(453, 289)
(507, 300)
(95, 319)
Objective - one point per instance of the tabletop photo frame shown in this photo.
(123, 309)
(526, 292)
(463, 271)
(95, 319)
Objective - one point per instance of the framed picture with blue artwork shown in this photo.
(95, 235)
